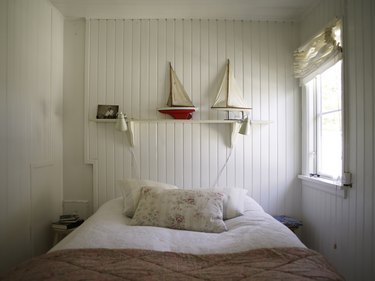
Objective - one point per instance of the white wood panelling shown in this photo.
(31, 127)
(127, 64)
(329, 219)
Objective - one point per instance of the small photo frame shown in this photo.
(234, 115)
(106, 111)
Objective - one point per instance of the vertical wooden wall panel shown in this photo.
(92, 99)
(178, 128)
(204, 103)
(360, 130)
(212, 72)
(110, 98)
(273, 75)
(101, 95)
(368, 67)
(119, 160)
(256, 106)
(223, 131)
(264, 114)
(239, 76)
(293, 149)
(144, 81)
(153, 98)
(128, 65)
(161, 99)
(248, 97)
(229, 54)
(195, 97)
(127, 90)
(187, 128)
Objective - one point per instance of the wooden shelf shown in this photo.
(103, 120)
(191, 121)
(235, 124)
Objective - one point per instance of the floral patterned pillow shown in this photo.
(194, 210)
(131, 191)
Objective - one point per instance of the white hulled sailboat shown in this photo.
(229, 97)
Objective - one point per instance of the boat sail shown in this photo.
(229, 97)
(179, 104)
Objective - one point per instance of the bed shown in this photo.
(254, 246)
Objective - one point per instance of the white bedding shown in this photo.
(108, 228)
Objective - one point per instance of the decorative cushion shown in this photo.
(195, 210)
(252, 205)
(235, 205)
(233, 202)
(131, 190)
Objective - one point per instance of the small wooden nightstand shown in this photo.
(59, 234)
(292, 223)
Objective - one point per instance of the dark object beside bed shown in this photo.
(292, 223)
(130, 264)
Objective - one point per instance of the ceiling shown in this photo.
(273, 10)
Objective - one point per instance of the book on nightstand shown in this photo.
(67, 222)
(289, 221)
(68, 218)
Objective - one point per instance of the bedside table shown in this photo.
(292, 223)
(59, 234)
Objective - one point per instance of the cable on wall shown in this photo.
(134, 164)
(222, 168)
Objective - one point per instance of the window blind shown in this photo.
(323, 48)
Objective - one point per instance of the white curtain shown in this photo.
(324, 47)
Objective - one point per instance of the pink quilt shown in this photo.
(129, 264)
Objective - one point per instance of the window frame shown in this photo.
(310, 124)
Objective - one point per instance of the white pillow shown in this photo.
(131, 190)
(194, 210)
(233, 202)
(251, 205)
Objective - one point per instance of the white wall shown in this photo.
(128, 65)
(77, 175)
(350, 223)
(31, 58)
(3, 121)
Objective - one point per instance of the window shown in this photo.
(319, 66)
(324, 112)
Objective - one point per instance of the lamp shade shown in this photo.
(245, 127)
(121, 122)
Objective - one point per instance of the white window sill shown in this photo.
(325, 185)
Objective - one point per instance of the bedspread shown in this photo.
(131, 264)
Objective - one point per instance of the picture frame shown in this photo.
(234, 115)
(107, 111)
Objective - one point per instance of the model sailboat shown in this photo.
(229, 97)
(179, 103)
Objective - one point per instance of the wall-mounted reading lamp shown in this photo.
(245, 127)
(121, 122)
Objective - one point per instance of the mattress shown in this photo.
(109, 228)
(106, 247)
